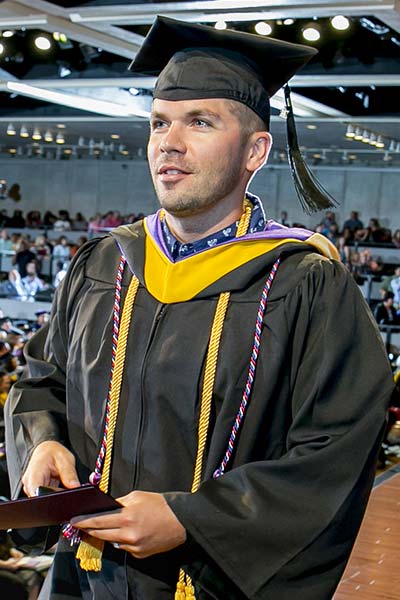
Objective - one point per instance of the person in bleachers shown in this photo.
(23, 256)
(33, 219)
(112, 219)
(392, 284)
(373, 233)
(328, 221)
(49, 219)
(63, 222)
(284, 218)
(353, 224)
(31, 283)
(385, 312)
(95, 224)
(61, 271)
(78, 244)
(79, 222)
(6, 246)
(17, 220)
(42, 250)
(61, 250)
(13, 286)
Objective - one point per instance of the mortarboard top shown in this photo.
(198, 61)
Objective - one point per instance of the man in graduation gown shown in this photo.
(225, 366)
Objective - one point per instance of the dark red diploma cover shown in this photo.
(54, 508)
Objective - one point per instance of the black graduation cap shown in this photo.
(197, 61)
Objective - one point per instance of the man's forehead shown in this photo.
(216, 106)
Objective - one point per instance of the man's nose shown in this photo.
(173, 140)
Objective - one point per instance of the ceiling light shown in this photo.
(221, 24)
(350, 131)
(60, 126)
(365, 136)
(67, 151)
(36, 135)
(263, 28)
(352, 157)
(11, 129)
(7, 33)
(372, 139)
(60, 37)
(340, 23)
(12, 150)
(115, 136)
(311, 33)
(64, 71)
(42, 43)
(379, 142)
(358, 136)
(311, 126)
(48, 136)
(288, 21)
(60, 138)
(23, 132)
(2, 48)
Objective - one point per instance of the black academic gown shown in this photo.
(282, 521)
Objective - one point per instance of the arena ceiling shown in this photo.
(80, 89)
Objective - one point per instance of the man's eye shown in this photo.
(157, 125)
(201, 123)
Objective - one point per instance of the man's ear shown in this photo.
(259, 148)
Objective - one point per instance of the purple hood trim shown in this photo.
(272, 231)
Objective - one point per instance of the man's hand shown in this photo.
(144, 526)
(51, 464)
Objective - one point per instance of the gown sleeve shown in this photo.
(285, 527)
(35, 408)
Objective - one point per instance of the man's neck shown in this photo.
(193, 228)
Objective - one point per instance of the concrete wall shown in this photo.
(92, 186)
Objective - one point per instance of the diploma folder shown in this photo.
(54, 508)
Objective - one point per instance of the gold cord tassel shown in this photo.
(184, 587)
(90, 550)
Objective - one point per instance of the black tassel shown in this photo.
(312, 195)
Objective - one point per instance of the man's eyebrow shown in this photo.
(195, 113)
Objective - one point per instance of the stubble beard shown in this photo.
(202, 195)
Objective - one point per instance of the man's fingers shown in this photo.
(31, 483)
(65, 467)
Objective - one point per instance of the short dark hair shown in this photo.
(387, 295)
(250, 122)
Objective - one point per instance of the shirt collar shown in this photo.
(179, 250)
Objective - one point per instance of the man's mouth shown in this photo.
(171, 173)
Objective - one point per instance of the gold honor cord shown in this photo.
(90, 549)
(184, 587)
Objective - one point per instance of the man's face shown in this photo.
(196, 154)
